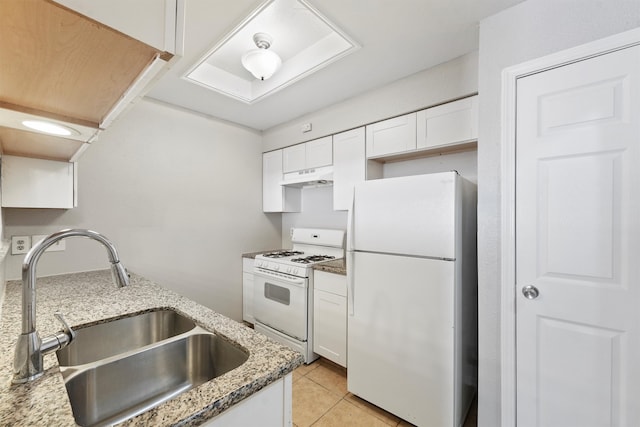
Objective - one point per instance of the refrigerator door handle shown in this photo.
(350, 283)
(349, 245)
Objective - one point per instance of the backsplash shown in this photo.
(317, 212)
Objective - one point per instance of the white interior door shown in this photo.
(577, 243)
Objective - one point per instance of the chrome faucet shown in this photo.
(27, 362)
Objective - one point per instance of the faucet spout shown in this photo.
(30, 348)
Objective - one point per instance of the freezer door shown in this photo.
(401, 336)
(413, 215)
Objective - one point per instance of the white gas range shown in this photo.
(283, 287)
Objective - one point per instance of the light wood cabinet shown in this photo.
(312, 154)
(451, 123)
(37, 183)
(349, 166)
(275, 197)
(330, 316)
(247, 290)
(157, 28)
(74, 70)
(391, 136)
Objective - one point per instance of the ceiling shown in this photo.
(397, 38)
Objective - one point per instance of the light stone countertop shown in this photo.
(87, 298)
(337, 266)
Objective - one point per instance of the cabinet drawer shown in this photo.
(330, 282)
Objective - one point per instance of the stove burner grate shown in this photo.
(282, 254)
(312, 258)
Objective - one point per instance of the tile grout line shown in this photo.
(343, 397)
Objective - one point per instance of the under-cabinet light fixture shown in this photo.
(50, 128)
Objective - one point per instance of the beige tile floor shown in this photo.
(321, 399)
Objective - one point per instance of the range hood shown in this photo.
(315, 177)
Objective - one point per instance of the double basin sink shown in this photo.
(124, 367)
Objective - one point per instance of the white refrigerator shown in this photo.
(412, 297)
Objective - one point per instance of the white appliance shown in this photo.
(283, 287)
(412, 297)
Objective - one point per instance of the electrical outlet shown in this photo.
(60, 245)
(291, 232)
(20, 244)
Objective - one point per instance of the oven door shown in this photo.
(280, 301)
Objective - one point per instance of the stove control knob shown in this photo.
(276, 267)
(259, 263)
(295, 271)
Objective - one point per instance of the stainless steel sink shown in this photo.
(117, 387)
(121, 335)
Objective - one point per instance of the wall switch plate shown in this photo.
(20, 244)
(57, 246)
(306, 127)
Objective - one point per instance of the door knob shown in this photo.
(530, 292)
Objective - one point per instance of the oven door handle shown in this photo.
(299, 282)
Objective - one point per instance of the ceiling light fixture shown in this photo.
(50, 127)
(261, 62)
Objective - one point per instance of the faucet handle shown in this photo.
(65, 326)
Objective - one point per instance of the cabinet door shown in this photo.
(319, 152)
(247, 290)
(272, 406)
(294, 158)
(451, 123)
(275, 197)
(330, 316)
(349, 166)
(37, 183)
(272, 191)
(392, 136)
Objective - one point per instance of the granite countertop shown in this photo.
(86, 298)
(337, 266)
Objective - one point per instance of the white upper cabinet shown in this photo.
(319, 152)
(294, 158)
(275, 197)
(37, 183)
(452, 123)
(312, 154)
(349, 166)
(150, 21)
(396, 135)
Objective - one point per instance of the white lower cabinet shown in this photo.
(330, 316)
(37, 183)
(247, 290)
(270, 407)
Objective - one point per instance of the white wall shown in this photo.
(317, 212)
(529, 30)
(179, 194)
(453, 79)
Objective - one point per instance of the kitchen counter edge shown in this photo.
(90, 297)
